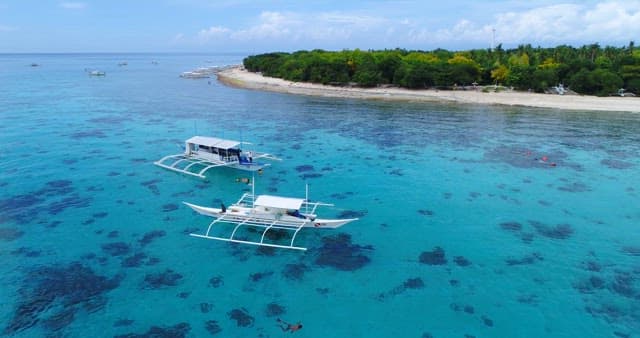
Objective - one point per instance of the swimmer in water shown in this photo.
(289, 327)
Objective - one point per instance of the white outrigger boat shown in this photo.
(203, 153)
(270, 217)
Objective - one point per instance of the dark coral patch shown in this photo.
(609, 311)
(162, 279)
(590, 285)
(425, 212)
(206, 307)
(322, 291)
(241, 316)
(169, 207)
(60, 320)
(575, 187)
(304, 168)
(266, 250)
(256, 277)
(100, 214)
(88, 134)
(591, 266)
(150, 182)
(56, 188)
(123, 322)
(623, 285)
(72, 286)
(151, 236)
(19, 202)
(621, 334)
(295, 271)
(487, 321)
(116, 248)
(352, 214)
(153, 261)
(10, 234)
(216, 281)
(338, 252)
(461, 261)
(616, 164)
(629, 250)
(525, 260)
(434, 257)
(177, 331)
(274, 309)
(212, 327)
(560, 231)
(511, 226)
(15, 208)
(413, 283)
(341, 196)
(306, 176)
(26, 252)
(73, 201)
(526, 237)
(134, 261)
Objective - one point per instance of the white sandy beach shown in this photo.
(238, 77)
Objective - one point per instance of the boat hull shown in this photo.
(244, 214)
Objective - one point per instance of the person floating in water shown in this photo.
(289, 327)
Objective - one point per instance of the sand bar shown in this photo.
(239, 77)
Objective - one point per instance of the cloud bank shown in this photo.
(609, 23)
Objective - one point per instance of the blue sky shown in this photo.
(285, 25)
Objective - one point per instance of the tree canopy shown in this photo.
(590, 69)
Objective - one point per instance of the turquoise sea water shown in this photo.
(463, 230)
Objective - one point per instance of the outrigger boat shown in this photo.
(272, 219)
(203, 153)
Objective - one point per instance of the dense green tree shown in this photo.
(544, 78)
(590, 69)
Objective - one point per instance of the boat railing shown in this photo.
(246, 199)
(314, 205)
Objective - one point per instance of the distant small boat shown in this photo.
(35, 65)
(195, 75)
(202, 72)
(97, 73)
(122, 64)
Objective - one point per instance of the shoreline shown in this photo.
(239, 77)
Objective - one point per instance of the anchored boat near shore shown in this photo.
(203, 153)
(272, 221)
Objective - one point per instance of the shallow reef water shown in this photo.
(473, 221)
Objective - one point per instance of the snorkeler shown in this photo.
(289, 327)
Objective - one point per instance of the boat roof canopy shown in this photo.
(279, 202)
(213, 142)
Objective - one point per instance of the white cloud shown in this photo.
(211, 32)
(607, 22)
(272, 25)
(73, 5)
